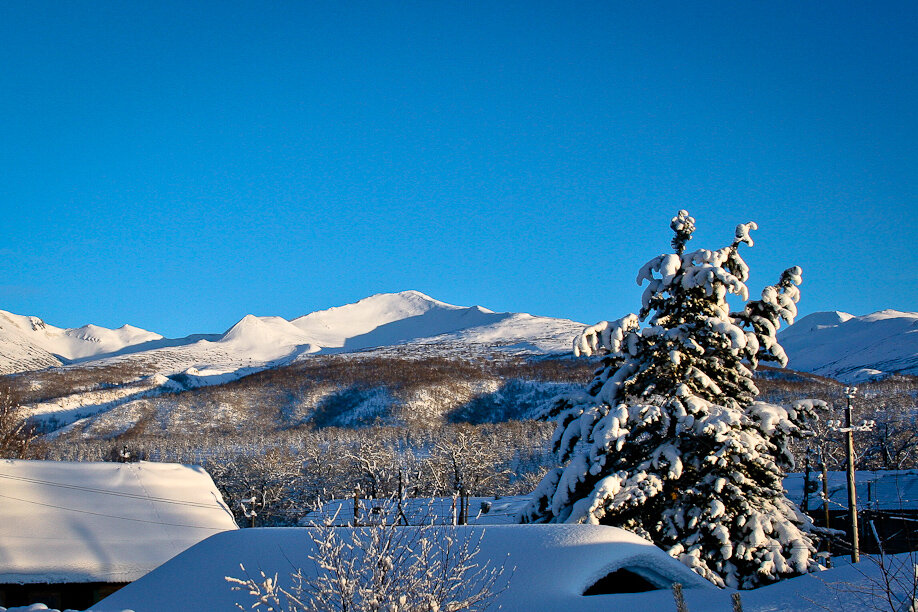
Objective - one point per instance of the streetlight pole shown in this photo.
(852, 494)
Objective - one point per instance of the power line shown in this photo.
(123, 518)
(164, 500)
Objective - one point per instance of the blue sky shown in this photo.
(177, 165)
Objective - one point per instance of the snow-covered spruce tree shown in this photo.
(668, 440)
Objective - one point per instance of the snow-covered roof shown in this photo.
(888, 490)
(101, 522)
(554, 565)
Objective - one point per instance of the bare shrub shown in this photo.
(384, 567)
(887, 583)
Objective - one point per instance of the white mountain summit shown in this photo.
(391, 319)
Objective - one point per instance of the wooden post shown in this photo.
(679, 597)
(462, 501)
(737, 602)
(805, 504)
(401, 496)
(356, 506)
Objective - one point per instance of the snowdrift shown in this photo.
(554, 565)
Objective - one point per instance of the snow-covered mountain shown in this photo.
(29, 343)
(833, 344)
(384, 320)
(390, 318)
(852, 349)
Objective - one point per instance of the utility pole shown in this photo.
(824, 467)
(852, 493)
(848, 429)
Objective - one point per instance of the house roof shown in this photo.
(552, 566)
(101, 522)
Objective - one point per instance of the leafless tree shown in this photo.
(16, 435)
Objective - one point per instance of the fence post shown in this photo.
(356, 506)
(737, 602)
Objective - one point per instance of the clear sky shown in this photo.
(177, 165)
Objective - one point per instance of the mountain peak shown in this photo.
(408, 300)
(852, 348)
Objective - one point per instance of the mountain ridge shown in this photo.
(832, 343)
(854, 348)
(381, 320)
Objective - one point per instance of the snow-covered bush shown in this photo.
(383, 568)
(668, 440)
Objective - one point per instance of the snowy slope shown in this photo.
(384, 320)
(833, 344)
(18, 354)
(850, 348)
(266, 338)
(101, 522)
(339, 326)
